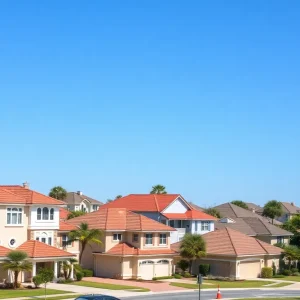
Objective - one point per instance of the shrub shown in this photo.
(37, 280)
(274, 269)
(296, 274)
(79, 276)
(177, 276)
(183, 265)
(87, 273)
(186, 275)
(162, 277)
(266, 272)
(286, 272)
(278, 276)
(294, 270)
(204, 269)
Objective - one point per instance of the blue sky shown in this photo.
(113, 97)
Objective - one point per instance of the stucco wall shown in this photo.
(272, 239)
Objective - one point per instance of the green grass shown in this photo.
(290, 278)
(280, 284)
(109, 286)
(208, 284)
(6, 294)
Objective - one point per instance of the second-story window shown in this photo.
(45, 214)
(39, 213)
(205, 226)
(135, 237)
(163, 239)
(14, 216)
(117, 237)
(65, 241)
(52, 214)
(149, 239)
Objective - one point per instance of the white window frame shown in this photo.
(205, 225)
(147, 239)
(45, 214)
(162, 237)
(10, 211)
(147, 262)
(117, 237)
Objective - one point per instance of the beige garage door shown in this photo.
(249, 269)
(106, 266)
(161, 270)
(146, 269)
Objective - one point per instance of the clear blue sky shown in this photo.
(112, 97)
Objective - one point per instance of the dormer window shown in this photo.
(45, 214)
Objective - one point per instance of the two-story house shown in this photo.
(289, 211)
(29, 221)
(76, 201)
(133, 246)
(170, 209)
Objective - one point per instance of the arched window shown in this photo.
(164, 261)
(52, 214)
(147, 262)
(39, 213)
(45, 213)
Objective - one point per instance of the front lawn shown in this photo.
(290, 278)
(10, 293)
(209, 284)
(109, 286)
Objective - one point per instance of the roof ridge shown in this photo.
(106, 221)
(264, 225)
(230, 238)
(262, 246)
(232, 207)
(156, 203)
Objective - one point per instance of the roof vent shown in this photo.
(26, 185)
(79, 193)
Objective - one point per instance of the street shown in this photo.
(208, 295)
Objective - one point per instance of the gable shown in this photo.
(177, 206)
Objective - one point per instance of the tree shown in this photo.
(85, 236)
(240, 203)
(272, 209)
(68, 265)
(158, 189)
(213, 212)
(183, 265)
(192, 247)
(291, 253)
(17, 262)
(118, 197)
(46, 275)
(75, 214)
(293, 225)
(58, 193)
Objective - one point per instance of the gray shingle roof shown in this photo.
(76, 198)
(290, 208)
(194, 206)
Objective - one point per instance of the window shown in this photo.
(135, 237)
(164, 221)
(149, 239)
(43, 240)
(50, 241)
(37, 239)
(65, 241)
(117, 237)
(39, 213)
(45, 213)
(147, 262)
(163, 239)
(205, 226)
(164, 261)
(14, 216)
(172, 223)
(280, 240)
(95, 207)
(52, 214)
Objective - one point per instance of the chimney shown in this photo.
(292, 203)
(79, 193)
(26, 185)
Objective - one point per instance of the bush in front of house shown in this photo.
(204, 269)
(64, 281)
(183, 265)
(187, 275)
(79, 276)
(266, 272)
(37, 280)
(87, 273)
(286, 272)
(162, 277)
(177, 276)
(294, 270)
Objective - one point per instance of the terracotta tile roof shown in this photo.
(28, 196)
(36, 249)
(234, 243)
(127, 249)
(143, 202)
(63, 213)
(119, 219)
(190, 215)
(4, 251)
(8, 197)
(63, 226)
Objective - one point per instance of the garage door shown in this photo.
(106, 266)
(249, 269)
(149, 269)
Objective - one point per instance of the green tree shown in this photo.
(118, 197)
(58, 193)
(68, 265)
(85, 236)
(46, 275)
(183, 265)
(293, 225)
(240, 203)
(272, 209)
(291, 253)
(75, 214)
(192, 247)
(213, 212)
(17, 262)
(158, 189)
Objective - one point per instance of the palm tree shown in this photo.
(158, 189)
(17, 262)
(272, 209)
(85, 236)
(67, 267)
(58, 193)
(192, 247)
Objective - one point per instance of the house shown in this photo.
(77, 201)
(254, 208)
(30, 221)
(133, 246)
(250, 223)
(289, 211)
(233, 254)
(170, 209)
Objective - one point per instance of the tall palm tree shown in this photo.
(158, 189)
(85, 236)
(192, 247)
(67, 267)
(58, 193)
(17, 262)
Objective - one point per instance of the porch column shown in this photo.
(72, 272)
(237, 271)
(55, 270)
(33, 268)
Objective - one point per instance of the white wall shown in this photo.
(43, 224)
(178, 206)
(199, 231)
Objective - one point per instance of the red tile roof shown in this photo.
(143, 202)
(63, 213)
(119, 219)
(36, 249)
(63, 226)
(4, 251)
(126, 249)
(234, 243)
(26, 196)
(190, 215)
